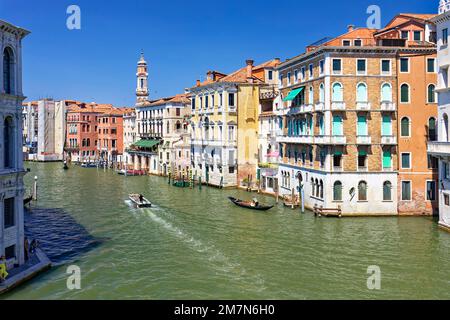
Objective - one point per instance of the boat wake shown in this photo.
(223, 264)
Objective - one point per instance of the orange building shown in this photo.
(417, 110)
(81, 136)
(110, 134)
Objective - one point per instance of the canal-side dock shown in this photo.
(37, 263)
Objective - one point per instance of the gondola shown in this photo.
(140, 202)
(249, 205)
(27, 200)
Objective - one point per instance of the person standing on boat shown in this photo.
(3, 272)
(141, 198)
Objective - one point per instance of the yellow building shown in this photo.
(224, 127)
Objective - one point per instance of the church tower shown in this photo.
(142, 80)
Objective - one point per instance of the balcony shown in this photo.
(338, 105)
(232, 109)
(330, 140)
(296, 139)
(308, 108)
(338, 140)
(364, 140)
(388, 140)
(363, 106)
(387, 106)
(439, 149)
(320, 106)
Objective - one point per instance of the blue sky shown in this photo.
(182, 40)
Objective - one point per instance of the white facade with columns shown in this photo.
(12, 188)
(441, 148)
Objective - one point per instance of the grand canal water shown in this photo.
(195, 244)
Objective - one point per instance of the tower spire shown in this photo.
(142, 80)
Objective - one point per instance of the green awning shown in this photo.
(146, 143)
(293, 94)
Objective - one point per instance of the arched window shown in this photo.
(404, 93)
(8, 70)
(431, 93)
(338, 92)
(8, 150)
(83, 143)
(338, 129)
(311, 95)
(432, 129)
(362, 191)
(316, 182)
(361, 95)
(445, 128)
(405, 127)
(387, 191)
(313, 187)
(321, 189)
(322, 93)
(88, 142)
(386, 93)
(178, 125)
(337, 191)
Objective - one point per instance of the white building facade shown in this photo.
(12, 188)
(129, 134)
(441, 148)
(44, 129)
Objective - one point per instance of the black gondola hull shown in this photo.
(241, 204)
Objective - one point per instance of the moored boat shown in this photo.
(139, 201)
(27, 200)
(88, 165)
(249, 205)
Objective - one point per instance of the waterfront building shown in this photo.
(129, 133)
(341, 123)
(417, 112)
(268, 150)
(110, 135)
(29, 128)
(441, 148)
(82, 135)
(12, 189)
(160, 124)
(225, 123)
(44, 129)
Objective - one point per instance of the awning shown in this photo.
(293, 94)
(146, 143)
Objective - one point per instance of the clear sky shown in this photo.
(182, 40)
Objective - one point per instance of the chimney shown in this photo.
(277, 60)
(350, 27)
(209, 75)
(249, 63)
(198, 83)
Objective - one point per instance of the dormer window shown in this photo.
(405, 35)
(346, 43)
(357, 43)
(417, 36)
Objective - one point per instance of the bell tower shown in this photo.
(142, 80)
